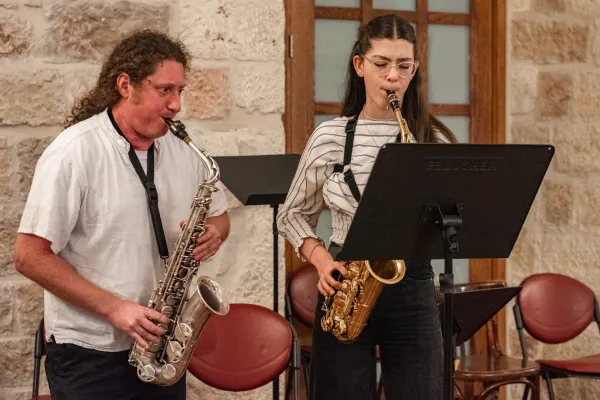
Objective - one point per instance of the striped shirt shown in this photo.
(315, 183)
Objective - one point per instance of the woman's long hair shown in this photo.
(138, 56)
(414, 110)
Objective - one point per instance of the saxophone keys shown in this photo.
(168, 371)
(174, 351)
(183, 332)
(146, 373)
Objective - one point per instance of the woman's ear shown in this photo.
(359, 65)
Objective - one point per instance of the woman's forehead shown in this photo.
(392, 48)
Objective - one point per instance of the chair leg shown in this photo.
(535, 384)
(549, 384)
(526, 393)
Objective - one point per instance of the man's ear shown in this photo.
(124, 85)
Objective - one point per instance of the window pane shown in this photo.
(338, 3)
(333, 43)
(406, 5)
(321, 118)
(450, 6)
(448, 64)
(459, 125)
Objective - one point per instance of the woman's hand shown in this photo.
(325, 265)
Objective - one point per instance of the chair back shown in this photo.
(243, 350)
(555, 308)
(303, 294)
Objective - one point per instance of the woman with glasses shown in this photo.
(404, 322)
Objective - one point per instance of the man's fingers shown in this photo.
(139, 340)
(145, 335)
(320, 287)
(156, 316)
(151, 328)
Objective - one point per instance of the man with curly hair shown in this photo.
(87, 231)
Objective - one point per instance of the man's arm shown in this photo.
(35, 259)
(221, 222)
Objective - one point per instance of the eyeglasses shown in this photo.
(405, 69)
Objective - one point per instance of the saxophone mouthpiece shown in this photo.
(177, 128)
(393, 99)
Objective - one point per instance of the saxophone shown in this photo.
(347, 311)
(164, 363)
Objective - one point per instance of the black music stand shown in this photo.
(421, 198)
(262, 180)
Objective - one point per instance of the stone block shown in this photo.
(585, 7)
(558, 202)
(574, 254)
(15, 36)
(29, 307)
(260, 88)
(529, 132)
(88, 30)
(555, 92)
(550, 6)
(577, 148)
(16, 362)
(207, 93)
(10, 216)
(31, 97)
(588, 204)
(523, 88)
(586, 94)
(197, 390)
(526, 255)
(7, 294)
(549, 42)
(240, 29)
(253, 142)
(28, 151)
(519, 5)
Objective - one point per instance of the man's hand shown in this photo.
(208, 243)
(136, 321)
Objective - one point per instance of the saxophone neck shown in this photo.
(177, 128)
(405, 134)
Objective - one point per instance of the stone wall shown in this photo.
(51, 52)
(554, 86)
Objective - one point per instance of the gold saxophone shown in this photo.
(347, 311)
(164, 363)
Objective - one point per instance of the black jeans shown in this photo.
(77, 373)
(405, 324)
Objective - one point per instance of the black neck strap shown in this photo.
(151, 192)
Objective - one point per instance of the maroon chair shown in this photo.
(554, 309)
(246, 349)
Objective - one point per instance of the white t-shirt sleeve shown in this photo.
(219, 201)
(54, 200)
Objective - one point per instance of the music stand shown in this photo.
(261, 180)
(422, 197)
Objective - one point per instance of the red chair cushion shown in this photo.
(586, 365)
(303, 294)
(243, 350)
(555, 308)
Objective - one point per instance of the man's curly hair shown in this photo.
(137, 55)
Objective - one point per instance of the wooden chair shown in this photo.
(493, 369)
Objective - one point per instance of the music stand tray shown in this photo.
(446, 201)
